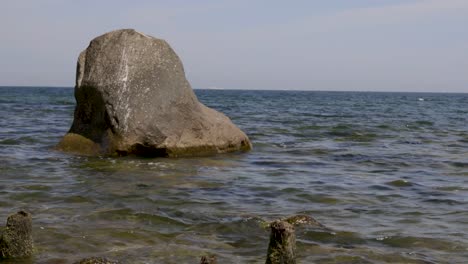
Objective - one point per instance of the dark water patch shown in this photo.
(459, 164)
(452, 188)
(384, 126)
(38, 187)
(430, 193)
(144, 186)
(380, 187)
(362, 137)
(443, 201)
(321, 151)
(305, 128)
(35, 196)
(10, 141)
(400, 183)
(344, 259)
(410, 142)
(283, 164)
(341, 130)
(351, 157)
(318, 198)
(291, 190)
(409, 221)
(78, 199)
(383, 171)
(5, 204)
(424, 123)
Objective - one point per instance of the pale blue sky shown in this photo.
(379, 45)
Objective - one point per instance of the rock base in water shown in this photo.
(282, 246)
(16, 238)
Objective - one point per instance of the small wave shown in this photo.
(424, 123)
(9, 141)
(351, 157)
(19, 140)
(443, 201)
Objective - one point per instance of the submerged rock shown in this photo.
(297, 220)
(16, 238)
(133, 98)
(95, 260)
(208, 260)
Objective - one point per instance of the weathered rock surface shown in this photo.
(16, 238)
(208, 260)
(133, 98)
(282, 246)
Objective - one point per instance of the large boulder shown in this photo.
(133, 98)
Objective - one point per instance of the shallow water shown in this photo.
(387, 173)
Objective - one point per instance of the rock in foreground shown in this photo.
(16, 238)
(282, 246)
(133, 98)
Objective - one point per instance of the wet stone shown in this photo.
(282, 246)
(132, 98)
(16, 238)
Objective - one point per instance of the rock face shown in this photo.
(133, 98)
(282, 246)
(16, 239)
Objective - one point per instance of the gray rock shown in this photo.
(133, 98)
(16, 238)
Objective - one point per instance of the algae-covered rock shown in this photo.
(72, 142)
(282, 246)
(16, 238)
(305, 220)
(133, 98)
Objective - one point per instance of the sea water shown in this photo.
(386, 173)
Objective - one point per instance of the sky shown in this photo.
(346, 45)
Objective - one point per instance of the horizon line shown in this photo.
(242, 89)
